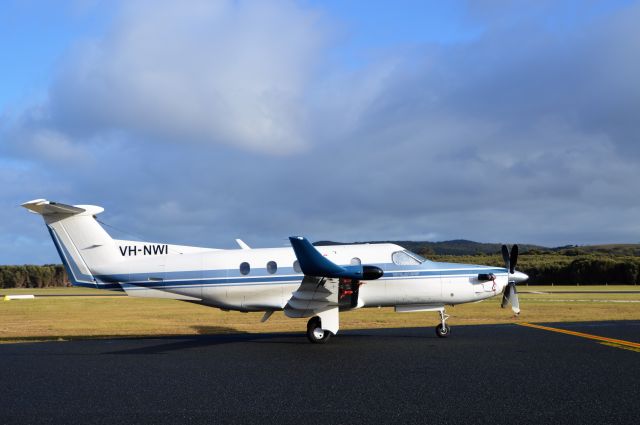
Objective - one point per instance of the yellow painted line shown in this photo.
(609, 341)
(622, 347)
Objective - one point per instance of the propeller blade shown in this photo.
(513, 299)
(505, 256)
(510, 296)
(513, 259)
(505, 296)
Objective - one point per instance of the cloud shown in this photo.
(203, 122)
(204, 72)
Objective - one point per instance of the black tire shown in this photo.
(315, 333)
(443, 332)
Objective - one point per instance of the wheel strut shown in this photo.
(443, 330)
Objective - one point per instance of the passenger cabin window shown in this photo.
(245, 268)
(406, 258)
(355, 261)
(272, 267)
(296, 267)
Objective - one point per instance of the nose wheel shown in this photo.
(443, 330)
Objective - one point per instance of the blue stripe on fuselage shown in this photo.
(195, 278)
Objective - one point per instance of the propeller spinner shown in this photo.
(510, 295)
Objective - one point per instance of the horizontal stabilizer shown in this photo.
(44, 207)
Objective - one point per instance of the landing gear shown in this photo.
(315, 333)
(443, 330)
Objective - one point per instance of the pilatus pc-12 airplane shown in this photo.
(303, 281)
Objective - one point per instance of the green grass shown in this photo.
(99, 317)
(55, 291)
(578, 288)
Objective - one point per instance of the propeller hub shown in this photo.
(517, 277)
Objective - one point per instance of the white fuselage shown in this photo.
(214, 277)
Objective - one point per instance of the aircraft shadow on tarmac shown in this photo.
(212, 335)
(230, 336)
(186, 342)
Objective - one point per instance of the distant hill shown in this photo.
(466, 247)
(615, 250)
(454, 247)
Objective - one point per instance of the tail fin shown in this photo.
(80, 240)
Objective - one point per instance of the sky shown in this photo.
(203, 121)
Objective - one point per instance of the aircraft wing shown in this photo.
(316, 296)
(318, 293)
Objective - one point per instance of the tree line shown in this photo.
(558, 269)
(543, 269)
(29, 276)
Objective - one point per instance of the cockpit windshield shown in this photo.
(407, 258)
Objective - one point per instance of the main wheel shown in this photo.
(443, 332)
(315, 333)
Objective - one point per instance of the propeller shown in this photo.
(510, 295)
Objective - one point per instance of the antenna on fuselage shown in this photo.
(242, 244)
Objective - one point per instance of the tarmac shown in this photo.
(493, 374)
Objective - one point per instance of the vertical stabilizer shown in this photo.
(80, 240)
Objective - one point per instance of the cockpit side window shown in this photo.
(402, 258)
(407, 258)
